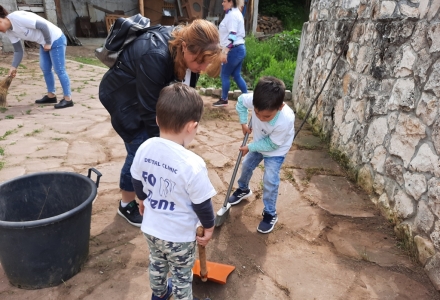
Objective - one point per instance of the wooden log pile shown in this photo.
(269, 25)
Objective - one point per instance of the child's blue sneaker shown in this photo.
(268, 223)
(239, 195)
(167, 295)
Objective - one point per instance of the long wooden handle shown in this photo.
(202, 256)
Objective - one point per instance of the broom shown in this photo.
(223, 212)
(4, 86)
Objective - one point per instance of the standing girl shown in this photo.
(22, 25)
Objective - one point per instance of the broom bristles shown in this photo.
(4, 86)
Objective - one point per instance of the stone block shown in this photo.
(433, 83)
(433, 201)
(387, 9)
(415, 184)
(202, 91)
(424, 218)
(230, 95)
(208, 91)
(425, 248)
(423, 8)
(217, 92)
(404, 205)
(434, 35)
(436, 135)
(432, 268)
(409, 131)
(433, 10)
(402, 96)
(427, 108)
(425, 161)
(236, 94)
(288, 95)
(409, 11)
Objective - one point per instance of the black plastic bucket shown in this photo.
(45, 227)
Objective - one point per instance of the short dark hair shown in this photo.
(269, 93)
(3, 12)
(177, 105)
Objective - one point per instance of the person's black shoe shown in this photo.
(63, 104)
(131, 213)
(46, 99)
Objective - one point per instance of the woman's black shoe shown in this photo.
(63, 104)
(46, 99)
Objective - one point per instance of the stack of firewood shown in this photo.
(269, 25)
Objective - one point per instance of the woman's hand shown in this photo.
(47, 47)
(224, 55)
(207, 235)
(12, 72)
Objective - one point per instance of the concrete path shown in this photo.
(330, 241)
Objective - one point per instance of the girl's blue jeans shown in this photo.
(55, 58)
(271, 177)
(233, 68)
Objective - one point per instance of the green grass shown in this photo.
(2, 151)
(89, 61)
(9, 117)
(3, 109)
(9, 132)
(33, 132)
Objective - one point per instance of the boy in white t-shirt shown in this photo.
(273, 128)
(175, 192)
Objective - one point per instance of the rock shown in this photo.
(434, 199)
(415, 184)
(409, 131)
(404, 205)
(387, 9)
(425, 248)
(424, 218)
(409, 11)
(434, 34)
(432, 268)
(425, 161)
(427, 109)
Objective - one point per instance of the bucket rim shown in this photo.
(57, 218)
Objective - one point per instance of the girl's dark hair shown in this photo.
(234, 2)
(177, 105)
(269, 93)
(3, 12)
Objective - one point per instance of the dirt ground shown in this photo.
(330, 241)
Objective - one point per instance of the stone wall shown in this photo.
(380, 107)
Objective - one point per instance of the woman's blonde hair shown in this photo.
(202, 39)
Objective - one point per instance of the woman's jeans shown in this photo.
(55, 58)
(271, 177)
(233, 68)
(125, 179)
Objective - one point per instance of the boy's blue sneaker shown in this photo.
(167, 295)
(239, 195)
(268, 223)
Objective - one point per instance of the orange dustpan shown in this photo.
(208, 270)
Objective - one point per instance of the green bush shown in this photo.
(284, 70)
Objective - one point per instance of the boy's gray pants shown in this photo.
(177, 258)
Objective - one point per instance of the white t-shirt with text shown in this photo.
(280, 133)
(23, 28)
(173, 178)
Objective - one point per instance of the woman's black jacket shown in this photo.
(130, 89)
